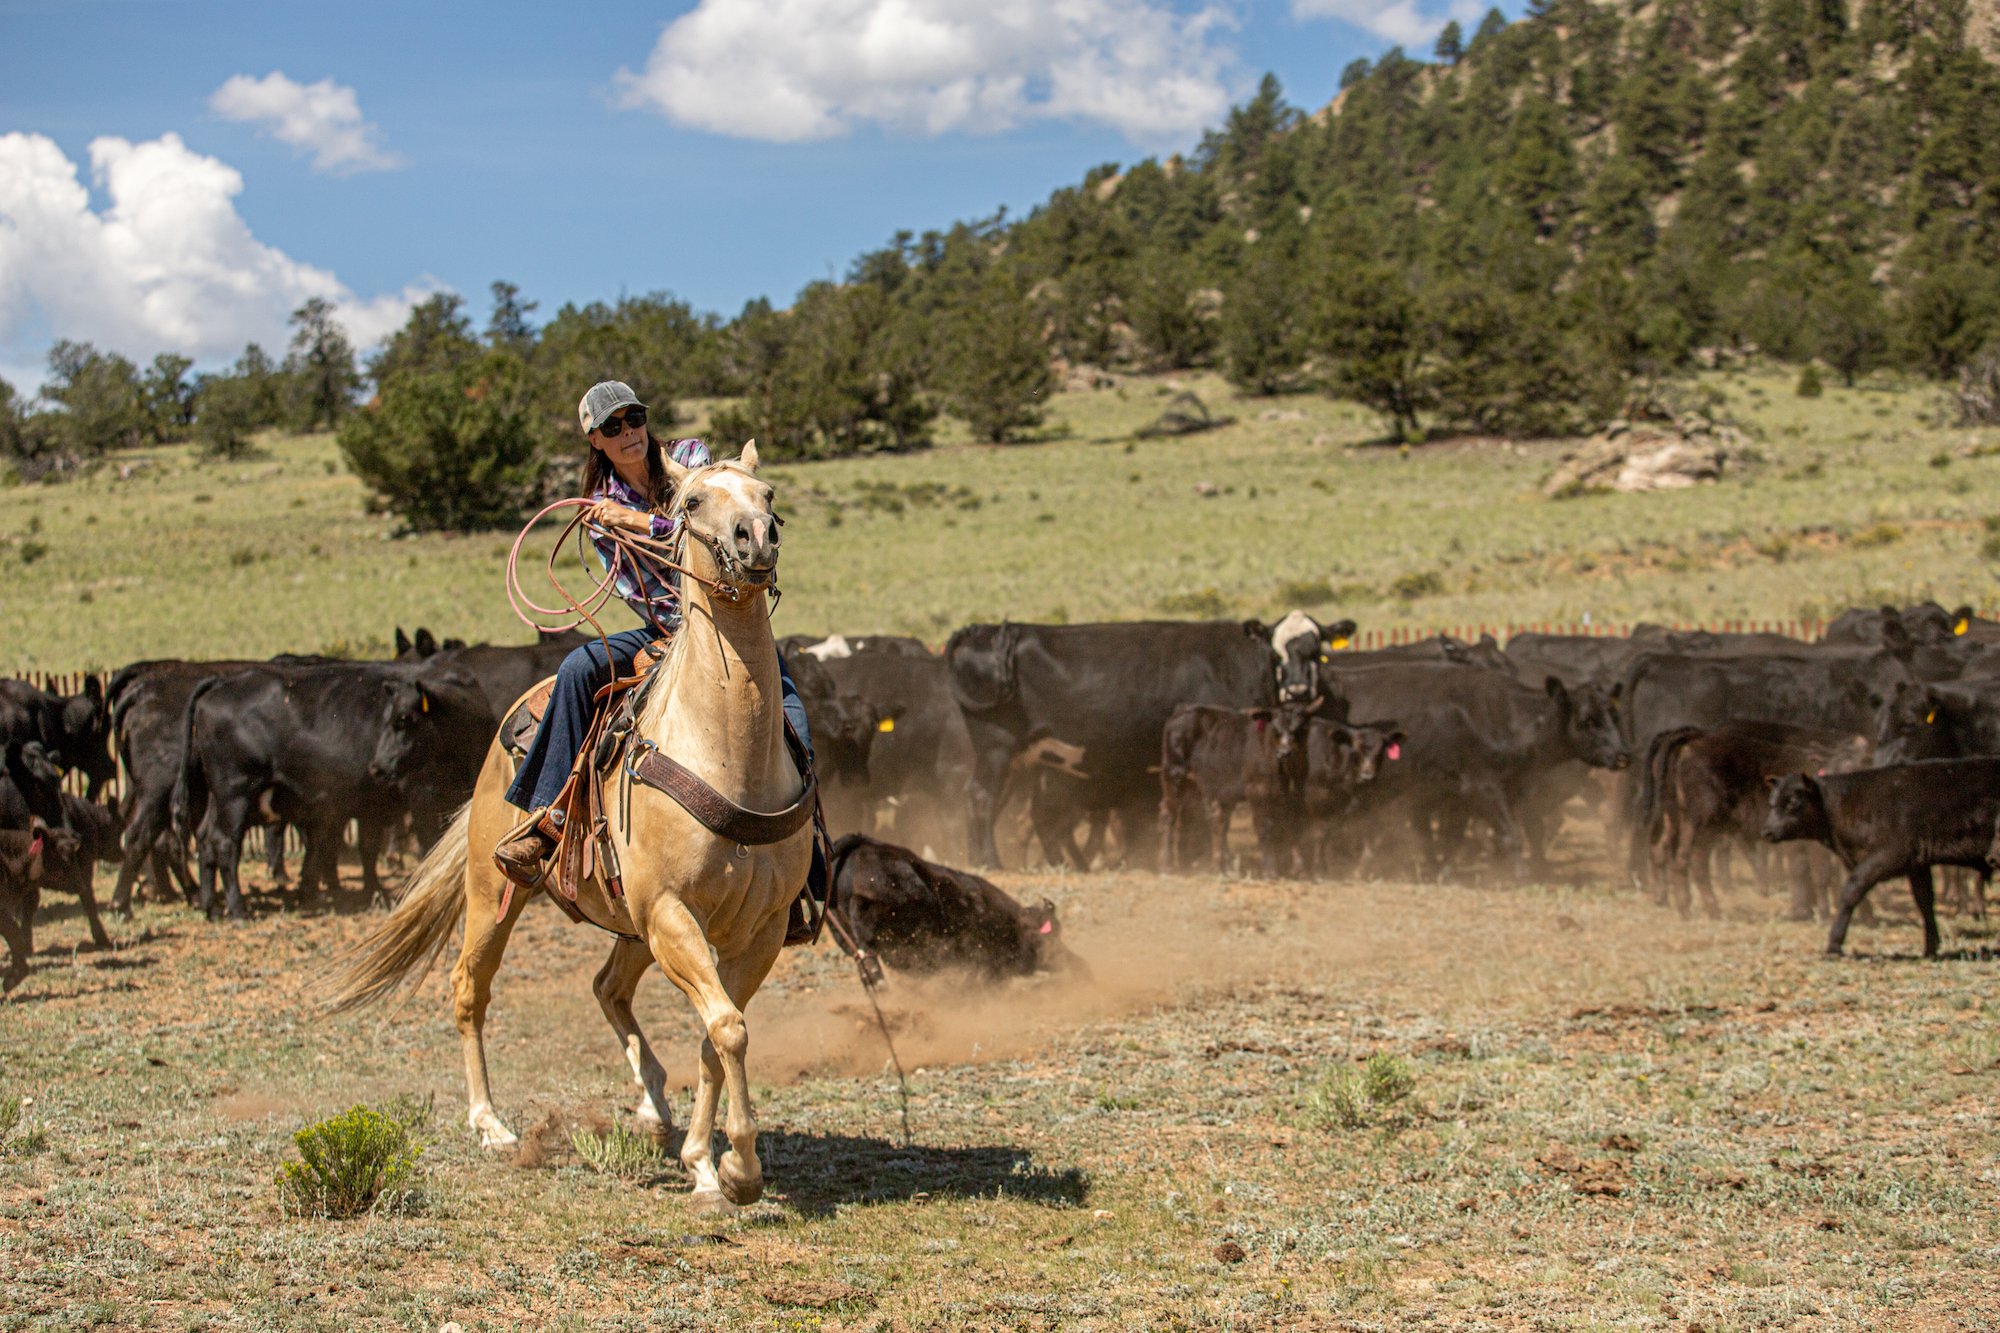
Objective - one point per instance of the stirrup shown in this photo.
(535, 824)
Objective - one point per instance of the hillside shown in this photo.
(1851, 500)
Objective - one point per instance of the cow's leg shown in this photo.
(983, 790)
(274, 855)
(136, 843)
(1170, 826)
(221, 848)
(1925, 893)
(1862, 878)
(1705, 846)
(1093, 842)
(19, 946)
(479, 954)
(1219, 815)
(369, 835)
(80, 875)
(616, 983)
(1806, 896)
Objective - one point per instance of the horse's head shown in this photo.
(727, 511)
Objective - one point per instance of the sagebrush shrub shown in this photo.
(355, 1161)
(1348, 1098)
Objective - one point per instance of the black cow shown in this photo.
(1898, 820)
(1107, 689)
(74, 731)
(505, 672)
(1481, 744)
(844, 726)
(1699, 787)
(1341, 759)
(1232, 756)
(1924, 623)
(920, 916)
(28, 857)
(1948, 721)
(920, 758)
(319, 745)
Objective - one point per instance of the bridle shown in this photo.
(734, 583)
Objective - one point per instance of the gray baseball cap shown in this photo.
(602, 400)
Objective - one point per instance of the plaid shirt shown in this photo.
(643, 590)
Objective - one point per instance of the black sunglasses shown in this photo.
(635, 417)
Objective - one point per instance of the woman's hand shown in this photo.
(612, 515)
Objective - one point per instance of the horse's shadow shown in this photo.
(816, 1173)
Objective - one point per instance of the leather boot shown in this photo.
(524, 859)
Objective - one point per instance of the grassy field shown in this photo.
(1852, 499)
(1276, 1106)
(1612, 1119)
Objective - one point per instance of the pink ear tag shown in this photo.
(1820, 774)
(1260, 724)
(1395, 751)
(35, 847)
(1048, 927)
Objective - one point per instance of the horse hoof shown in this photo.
(654, 1128)
(739, 1188)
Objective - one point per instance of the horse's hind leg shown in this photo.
(616, 982)
(486, 932)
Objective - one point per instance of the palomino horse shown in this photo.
(712, 913)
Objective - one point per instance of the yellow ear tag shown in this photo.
(425, 700)
(1338, 644)
(886, 724)
(1960, 625)
(1930, 717)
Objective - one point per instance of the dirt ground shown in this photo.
(1616, 1119)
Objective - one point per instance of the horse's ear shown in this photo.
(676, 472)
(748, 458)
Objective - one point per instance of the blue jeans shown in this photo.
(583, 673)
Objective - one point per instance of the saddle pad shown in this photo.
(524, 719)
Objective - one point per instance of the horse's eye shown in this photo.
(693, 503)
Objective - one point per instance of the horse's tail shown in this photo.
(404, 946)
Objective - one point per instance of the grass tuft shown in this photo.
(1351, 1098)
(618, 1152)
(356, 1162)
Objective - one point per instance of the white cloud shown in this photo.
(792, 70)
(168, 266)
(1399, 21)
(324, 117)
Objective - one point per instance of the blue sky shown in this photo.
(179, 175)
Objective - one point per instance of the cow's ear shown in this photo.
(1554, 686)
(93, 688)
(450, 644)
(1259, 714)
(1771, 781)
(1896, 638)
(1256, 629)
(403, 644)
(1339, 633)
(426, 642)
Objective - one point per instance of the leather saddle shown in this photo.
(584, 877)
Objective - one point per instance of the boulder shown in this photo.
(1644, 457)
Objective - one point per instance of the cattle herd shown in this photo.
(1871, 753)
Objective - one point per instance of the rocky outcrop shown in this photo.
(1645, 456)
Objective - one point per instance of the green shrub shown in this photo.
(618, 1152)
(31, 551)
(1422, 583)
(1350, 1098)
(355, 1162)
(1882, 534)
(1305, 592)
(1201, 603)
(1809, 385)
(451, 449)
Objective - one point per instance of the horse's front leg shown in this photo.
(616, 983)
(718, 988)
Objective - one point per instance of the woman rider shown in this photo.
(627, 478)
